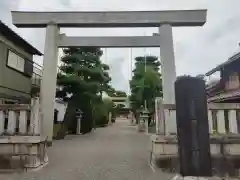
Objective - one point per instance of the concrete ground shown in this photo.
(117, 152)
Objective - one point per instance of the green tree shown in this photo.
(146, 83)
(82, 80)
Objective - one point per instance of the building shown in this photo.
(18, 73)
(227, 88)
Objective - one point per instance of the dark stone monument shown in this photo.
(192, 127)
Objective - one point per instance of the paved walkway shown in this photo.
(117, 152)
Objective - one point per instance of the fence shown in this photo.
(17, 119)
(20, 127)
(223, 118)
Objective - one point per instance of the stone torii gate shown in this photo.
(53, 21)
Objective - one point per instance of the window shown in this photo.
(233, 81)
(15, 61)
(12, 59)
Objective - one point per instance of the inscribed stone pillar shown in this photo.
(159, 116)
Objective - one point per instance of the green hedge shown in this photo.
(101, 112)
(59, 131)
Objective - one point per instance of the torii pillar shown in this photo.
(168, 75)
(49, 80)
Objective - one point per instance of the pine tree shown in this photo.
(146, 83)
(82, 80)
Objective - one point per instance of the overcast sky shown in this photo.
(197, 50)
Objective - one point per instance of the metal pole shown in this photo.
(131, 68)
(131, 60)
(145, 69)
(105, 61)
(145, 58)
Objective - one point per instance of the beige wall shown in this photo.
(10, 78)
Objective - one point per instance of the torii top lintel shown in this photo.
(110, 18)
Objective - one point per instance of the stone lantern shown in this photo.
(143, 121)
(79, 117)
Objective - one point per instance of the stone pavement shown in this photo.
(117, 152)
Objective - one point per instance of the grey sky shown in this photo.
(197, 50)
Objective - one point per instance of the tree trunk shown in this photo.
(87, 120)
(70, 116)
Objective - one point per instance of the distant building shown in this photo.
(227, 88)
(18, 74)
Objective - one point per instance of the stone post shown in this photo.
(233, 121)
(159, 116)
(11, 128)
(220, 122)
(35, 120)
(168, 72)
(110, 118)
(2, 120)
(49, 79)
(210, 122)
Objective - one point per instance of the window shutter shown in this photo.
(28, 68)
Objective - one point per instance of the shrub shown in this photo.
(101, 112)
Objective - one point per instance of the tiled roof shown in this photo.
(230, 60)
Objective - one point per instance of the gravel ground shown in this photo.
(117, 152)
